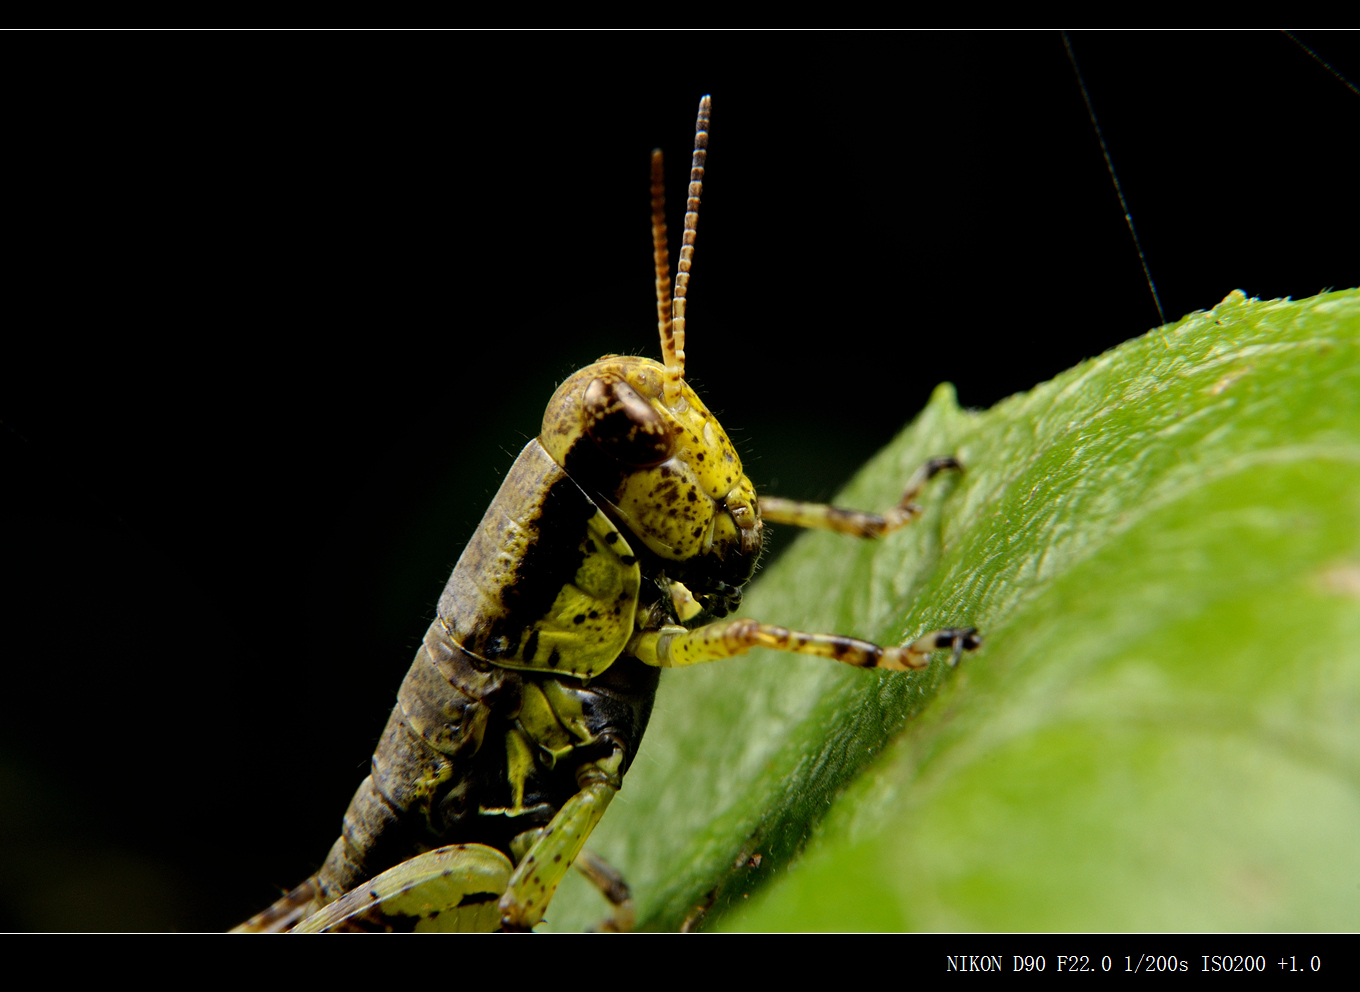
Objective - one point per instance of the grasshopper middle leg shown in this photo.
(558, 844)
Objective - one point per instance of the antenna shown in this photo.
(661, 256)
(673, 337)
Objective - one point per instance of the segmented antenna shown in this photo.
(673, 338)
(661, 256)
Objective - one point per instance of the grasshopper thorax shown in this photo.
(665, 471)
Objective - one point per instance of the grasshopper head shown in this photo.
(663, 469)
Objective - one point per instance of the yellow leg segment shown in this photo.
(855, 522)
(532, 885)
(674, 647)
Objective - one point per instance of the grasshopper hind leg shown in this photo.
(453, 889)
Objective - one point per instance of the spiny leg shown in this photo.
(857, 523)
(674, 647)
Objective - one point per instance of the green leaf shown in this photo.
(1161, 548)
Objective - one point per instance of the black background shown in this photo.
(280, 309)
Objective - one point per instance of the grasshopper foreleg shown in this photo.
(857, 523)
(675, 647)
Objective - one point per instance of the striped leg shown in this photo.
(674, 647)
(855, 522)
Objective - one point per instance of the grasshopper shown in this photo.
(620, 540)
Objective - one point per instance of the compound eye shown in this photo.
(624, 425)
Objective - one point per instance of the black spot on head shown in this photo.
(701, 456)
(611, 538)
